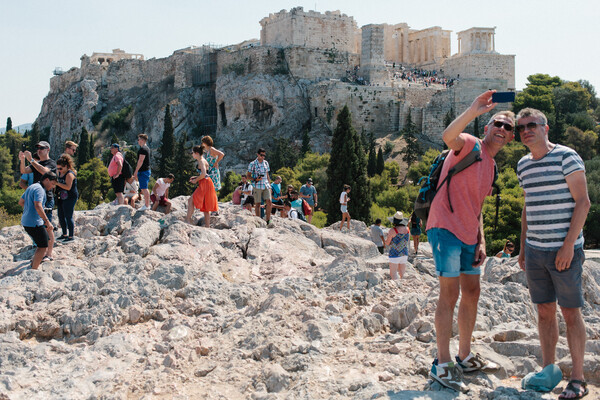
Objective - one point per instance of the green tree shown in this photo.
(591, 229)
(34, 136)
(91, 146)
(167, 145)
(6, 171)
(449, 117)
(594, 102)
(83, 150)
(347, 165)
(8, 124)
(284, 154)
(372, 164)
(231, 181)
(421, 168)
(114, 139)
(380, 162)
(93, 182)
(584, 143)
(14, 142)
(305, 143)
(510, 155)
(570, 97)
(183, 169)
(412, 150)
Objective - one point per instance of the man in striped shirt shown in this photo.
(556, 206)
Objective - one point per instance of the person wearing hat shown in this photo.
(39, 167)
(70, 148)
(397, 241)
(309, 193)
(115, 169)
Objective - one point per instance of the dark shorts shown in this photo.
(415, 231)
(547, 284)
(249, 200)
(380, 248)
(38, 234)
(118, 184)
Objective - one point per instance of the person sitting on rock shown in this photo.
(291, 213)
(236, 197)
(160, 193)
(247, 193)
(506, 252)
(132, 188)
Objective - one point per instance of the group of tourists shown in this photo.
(551, 249)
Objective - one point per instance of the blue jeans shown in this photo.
(66, 208)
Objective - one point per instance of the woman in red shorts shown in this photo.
(205, 196)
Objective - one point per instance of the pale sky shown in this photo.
(555, 37)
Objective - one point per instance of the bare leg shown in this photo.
(576, 337)
(120, 198)
(190, 210)
(168, 208)
(548, 332)
(50, 243)
(268, 205)
(444, 314)
(146, 194)
(37, 257)
(393, 271)
(348, 219)
(257, 208)
(207, 219)
(467, 312)
(401, 270)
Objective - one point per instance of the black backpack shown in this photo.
(431, 183)
(126, 171)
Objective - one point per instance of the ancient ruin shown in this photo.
(306, 66)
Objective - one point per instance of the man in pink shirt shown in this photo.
(455, 232)
(115, 169)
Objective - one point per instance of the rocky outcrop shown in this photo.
(144, 305)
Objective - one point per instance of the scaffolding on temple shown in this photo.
(204, 75)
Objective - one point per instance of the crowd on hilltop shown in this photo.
(422, 76)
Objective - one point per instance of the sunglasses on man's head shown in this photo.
(500, 124)
(529, 125)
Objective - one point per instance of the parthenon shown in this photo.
(116, 55)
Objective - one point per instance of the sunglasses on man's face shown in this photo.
(262, 155)
(530, 125)
(500, 124)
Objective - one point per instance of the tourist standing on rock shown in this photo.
(40, 166)
(415, 230)
(259, 171)
(27, 179)
(455, 232)
(277, 197)
(344, 199)
(556, 206)
(66, 196)
(205, 196)
(115, 171)
(70, 148)
(34, 219)
(160, 193)
(212, 157)
(142, 169)
(397, 240)
(377, 235)
(309, 193)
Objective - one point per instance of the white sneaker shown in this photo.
(143, 208)
(448, 375)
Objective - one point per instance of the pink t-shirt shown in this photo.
(113, 167)
(468, 190)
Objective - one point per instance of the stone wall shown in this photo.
(311, 29)
(372, 57)
(498, 68)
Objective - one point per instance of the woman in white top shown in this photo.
(344, 199)
(132, 188)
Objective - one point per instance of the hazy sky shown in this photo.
(547, 36)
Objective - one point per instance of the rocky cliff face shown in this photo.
(142, 305)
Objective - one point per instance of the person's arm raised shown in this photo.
(481, 105)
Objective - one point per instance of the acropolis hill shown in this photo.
(305, 67)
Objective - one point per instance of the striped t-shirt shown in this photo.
(548, 201)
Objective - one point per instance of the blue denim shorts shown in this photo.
(452, 257)
(144, 178)
(547, 284)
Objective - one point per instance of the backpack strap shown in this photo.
(471, 158)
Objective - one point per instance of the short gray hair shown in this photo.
(532, 112)
(508, 114)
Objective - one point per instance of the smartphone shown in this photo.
(503, 97)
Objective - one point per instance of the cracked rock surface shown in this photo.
(144, 306)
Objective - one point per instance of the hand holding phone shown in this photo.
(503, 97)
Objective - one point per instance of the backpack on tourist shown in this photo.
(430, 184)
(306, 210)
(127, 171)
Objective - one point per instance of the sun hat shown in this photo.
(398, 219)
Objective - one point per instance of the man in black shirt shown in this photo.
(39, 168)
(142, 169)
